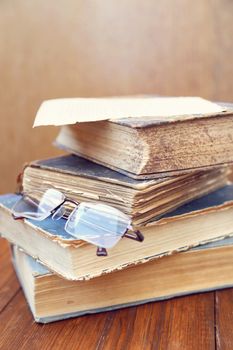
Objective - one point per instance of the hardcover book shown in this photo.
(202, 220)
(51, 298)
(142, 200)
(144, 137)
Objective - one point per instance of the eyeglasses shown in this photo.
(96, 223)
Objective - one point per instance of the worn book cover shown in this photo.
(204, 268)
(204, 219)
(65, 111)
(149, 137)
(142, 200)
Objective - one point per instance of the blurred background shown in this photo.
(73, 48)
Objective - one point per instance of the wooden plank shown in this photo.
(8, 281)
(224, 319)
(181, 323)
(18, 330)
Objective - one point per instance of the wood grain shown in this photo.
(166, 325)
(9, 286)
(182, 323)
(50, 49)
(224, 319)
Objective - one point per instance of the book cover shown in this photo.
(142, 200)
(160, 109)
(157, 137)
(204, 268)
(205, 219)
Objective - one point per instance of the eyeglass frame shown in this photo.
(136, 235)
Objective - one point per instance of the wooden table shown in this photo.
(202, 321)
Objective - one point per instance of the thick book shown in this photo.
(202, 220)
(154, 137)
(204, 268)
(143, 200)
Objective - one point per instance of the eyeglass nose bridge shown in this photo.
(59, 212)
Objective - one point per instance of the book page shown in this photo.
(73, 110)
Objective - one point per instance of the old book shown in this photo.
(204, 268)
(142, 200)
(204, 219)
(154, 137)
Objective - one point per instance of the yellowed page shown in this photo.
(72, 110)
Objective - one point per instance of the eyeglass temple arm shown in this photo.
(101, 251)
(17, 217)
(135, 235)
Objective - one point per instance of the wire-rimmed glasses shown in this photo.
(96, 223)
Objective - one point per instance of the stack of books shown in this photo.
(141, 208)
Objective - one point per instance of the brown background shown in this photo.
(61, 48)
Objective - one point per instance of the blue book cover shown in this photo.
(111, 292)
(203, 220)
(215, 200)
